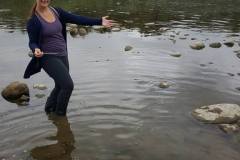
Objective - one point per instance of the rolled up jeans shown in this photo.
(57, 67)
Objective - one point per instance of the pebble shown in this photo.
(197, 45)
(164, 85)
(215, 45)
(128, 48)
(40, 86)
(229, 44)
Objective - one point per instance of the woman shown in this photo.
(47, 39)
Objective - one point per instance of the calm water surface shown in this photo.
(117, 111)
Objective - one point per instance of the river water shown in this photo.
(117, 110)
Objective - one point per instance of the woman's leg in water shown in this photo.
(57, 68)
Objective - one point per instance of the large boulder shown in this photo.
(15, 90)
(218, 113)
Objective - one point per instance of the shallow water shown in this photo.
(117, 111)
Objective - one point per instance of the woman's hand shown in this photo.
(107, 23)
(38, 53)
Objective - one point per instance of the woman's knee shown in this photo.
(69, 85)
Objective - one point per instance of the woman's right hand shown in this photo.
(38, 53)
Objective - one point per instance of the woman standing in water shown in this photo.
(47, 39)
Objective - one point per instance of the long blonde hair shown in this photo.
(33, 9)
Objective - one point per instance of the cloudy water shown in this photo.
(117, 109)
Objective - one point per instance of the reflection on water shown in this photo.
(205, 14)
(62, 149)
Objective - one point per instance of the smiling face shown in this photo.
(43, 3)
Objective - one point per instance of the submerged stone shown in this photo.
(82, 31)
(176, 55)
(197, 45)
(128, 48)
(164, 85)
(229, 128)
(73, 31)
(40, 95)
(40, 86)
(218, 113)
(229, 44)
(215, 45)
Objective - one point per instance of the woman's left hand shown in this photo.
(107, 23)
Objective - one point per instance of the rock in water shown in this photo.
(229, 44)
(197, 45)
(15, 91)
(40, 86)
(215, 45)
(218, 113)
(82, 31)
(176, 55)
(229, 128)
(128, 48)
(164, 85)
(74, 32)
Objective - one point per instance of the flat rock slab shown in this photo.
(218, 113)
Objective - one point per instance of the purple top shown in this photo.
(52, 40)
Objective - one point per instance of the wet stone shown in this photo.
(229, 44)
(40, 95)
(176, 55)
(238, 55)
(15, 91)
(218, 113)
(73, 32)
(237, 51)
(128, 48)
(164, 85)
(197, 45)
(40, 86)
(203, 65)
(82, 31)
(215, 45)
(229, 128)
(116, 29)
(231, 74)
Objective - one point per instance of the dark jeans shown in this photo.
(57, 67)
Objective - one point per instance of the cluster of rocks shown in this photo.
(76, 30)
(17, 92)
(226, 116)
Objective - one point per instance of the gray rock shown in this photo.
(15, 90)
(116, 29)
(73, 31)
(40, 86)
(149, 24)
(128, 48)
(233, 35)
(82, 31)
(164, 85)
(39, 95)
(176, 55)
(182, 38)
(229, 128)
(238, 55)
(237, 51)
(218, 113)
(229, 44)
(163, 29)
(197, 45)
(215, 45)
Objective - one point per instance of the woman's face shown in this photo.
(43, 3)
